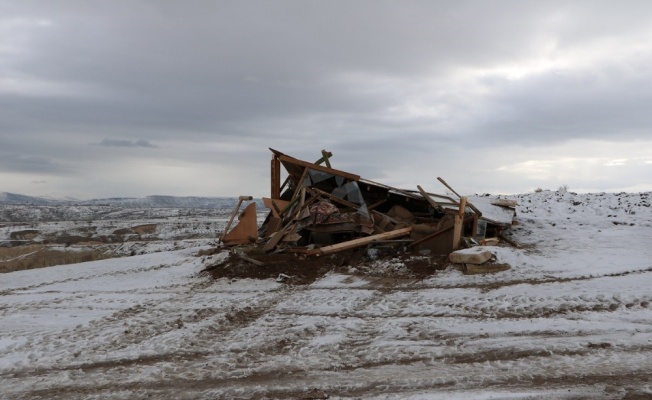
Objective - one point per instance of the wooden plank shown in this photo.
(448, 186)
(273, 225)
(332, 171)
(269, 203)
(462, 208)
(459, 221)
(376, 204)
(325, 155)
(285, 183)
(318, 192)
(471, 206)
(351, 244)
(235, 212)
(276, 178)
(246, 231)
(276, 238)
(433, 203)
(457, 232)
(251, 260)
(228, 224)
(297, 190)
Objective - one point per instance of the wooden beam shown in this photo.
(276, 238)
(462, 208)
(297, 190)
(433, 203)
(343, 174)
(351, 244)
(457, 232)
(325, 155)
(271, 204)
(471, 206)
(276, 178)
(318, 192)
(459, 221)
(251, 260)
(376, 204)
(285, 183)
(448, 186)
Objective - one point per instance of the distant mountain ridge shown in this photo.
(155, 201)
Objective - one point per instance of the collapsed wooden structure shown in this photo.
(319, 210)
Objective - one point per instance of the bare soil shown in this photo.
(304, 270)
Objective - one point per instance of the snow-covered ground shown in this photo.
(570, 319)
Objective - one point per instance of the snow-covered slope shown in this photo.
(570, 320)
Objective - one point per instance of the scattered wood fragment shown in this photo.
(251, 260)
(235, 212)
(246, 231)
(351, 244)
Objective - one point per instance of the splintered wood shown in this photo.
(319, 210)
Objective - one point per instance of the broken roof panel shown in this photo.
(494, 214)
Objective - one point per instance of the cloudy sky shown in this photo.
(134, 98)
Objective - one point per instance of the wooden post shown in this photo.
(326, 155)
(459, 221)
(276, 177)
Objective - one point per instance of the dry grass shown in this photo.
(145, 229)
(40, 256)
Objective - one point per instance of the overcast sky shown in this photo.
(134, 98)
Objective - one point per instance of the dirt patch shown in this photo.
(21, 237)
(145, 229)
(124, 231)
(40, 256)
(302, 270)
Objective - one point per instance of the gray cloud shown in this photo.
(126, 143)
(411, 86)
(25, 163)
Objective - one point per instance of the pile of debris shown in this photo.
(318, 210)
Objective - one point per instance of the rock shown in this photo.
(487, 268)
(474, 255)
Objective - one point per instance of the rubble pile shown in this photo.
(318, 210)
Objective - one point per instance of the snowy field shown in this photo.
(570, 320)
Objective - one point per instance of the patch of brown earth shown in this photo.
(302, 270)
(145, 229)
(40, 256)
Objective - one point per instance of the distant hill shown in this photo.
(156, 201)
(13, 198)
